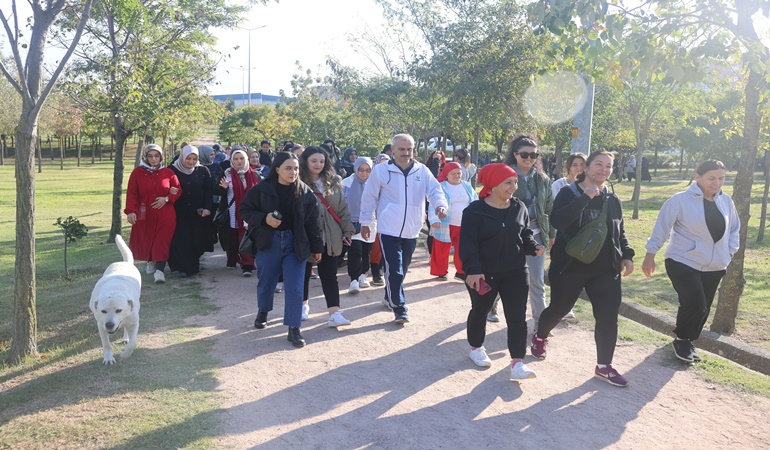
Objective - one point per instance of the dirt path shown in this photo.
(376, 384)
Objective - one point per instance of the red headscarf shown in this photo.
(448, 168)
(493, 174)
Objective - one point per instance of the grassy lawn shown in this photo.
(163, 397)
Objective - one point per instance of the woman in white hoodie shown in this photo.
(702, 226)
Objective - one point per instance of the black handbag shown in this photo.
(248, 247)
(222, 216)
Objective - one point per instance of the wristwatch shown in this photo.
(166, 197)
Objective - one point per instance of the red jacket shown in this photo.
(151, 234)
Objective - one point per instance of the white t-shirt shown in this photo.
(458, 199)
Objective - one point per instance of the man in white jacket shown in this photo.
(396, 191)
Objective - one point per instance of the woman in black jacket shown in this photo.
(285, 212)
(495, 239)
(576, 204)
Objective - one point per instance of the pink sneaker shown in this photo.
(611, 376)
(538, 347)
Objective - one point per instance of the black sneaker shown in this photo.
(683, 350)
(695, 356)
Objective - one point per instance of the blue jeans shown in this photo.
(280, 255)
(536, 266)
(396, 257)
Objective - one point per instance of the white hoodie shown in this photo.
(682, 220)
(399, 200)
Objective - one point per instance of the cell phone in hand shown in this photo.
(277, 215)
(483, 287)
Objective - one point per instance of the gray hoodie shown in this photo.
(682, 220)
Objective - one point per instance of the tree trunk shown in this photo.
(681, 160)
(112, 146)
(138, 157)
(117, 179)
(99, 147)
(39, 155)
(93, 150)
(2, 151)
(763, 216)
(24, 341)
(655, 162)
(638, 180)
(733, 282)
(474, 154)
(78, 146)
(61, 153)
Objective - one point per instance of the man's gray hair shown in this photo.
(402, 137)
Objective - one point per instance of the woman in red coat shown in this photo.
(152, 190)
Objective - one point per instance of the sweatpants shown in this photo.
(327, 273)
(396, 257)
(696, 291)
(604, 294)
(513, 290)
(439, 256)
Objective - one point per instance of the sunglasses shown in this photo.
(525, 155)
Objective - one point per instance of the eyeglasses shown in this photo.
(365, 170)
(525, 155)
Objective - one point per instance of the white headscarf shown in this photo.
(179, 163)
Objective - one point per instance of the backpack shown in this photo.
(589, 240)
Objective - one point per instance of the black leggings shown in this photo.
(604, 293)
(358, 258)
(327, 272)
(696, 291)
(513, 290)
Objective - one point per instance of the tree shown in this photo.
(31, 85)
(72, 230)
(144, 59)
(699, 30)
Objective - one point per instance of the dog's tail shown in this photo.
(124, 250)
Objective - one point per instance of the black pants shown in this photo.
(358, 258)
(327, 272)
(604, 293)
(514, 291)
(696, 291)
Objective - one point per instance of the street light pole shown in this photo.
(250, 30)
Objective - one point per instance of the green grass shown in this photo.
(162, 397)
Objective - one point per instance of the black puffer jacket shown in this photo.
(490, 246)
(567, 209)
(262, 200)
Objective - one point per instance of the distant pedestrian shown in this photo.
(646, 169)
(630, 167)
(150, 196)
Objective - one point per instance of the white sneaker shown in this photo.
(278, 287)
(354, 287)
(362, 281)
(337, 320)
(305, 311)
(520, 371)
(159, 277)
(569, 316)
(386, 304)
(150, 268)
(480, 358)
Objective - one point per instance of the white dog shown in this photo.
(115, 302)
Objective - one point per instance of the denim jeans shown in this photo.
(536, 266)
(280, 255)
(396, 257)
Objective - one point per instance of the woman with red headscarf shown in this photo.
(495, 238)
(238, 179)
(446, 232)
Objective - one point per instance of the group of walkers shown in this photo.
(313, 205)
